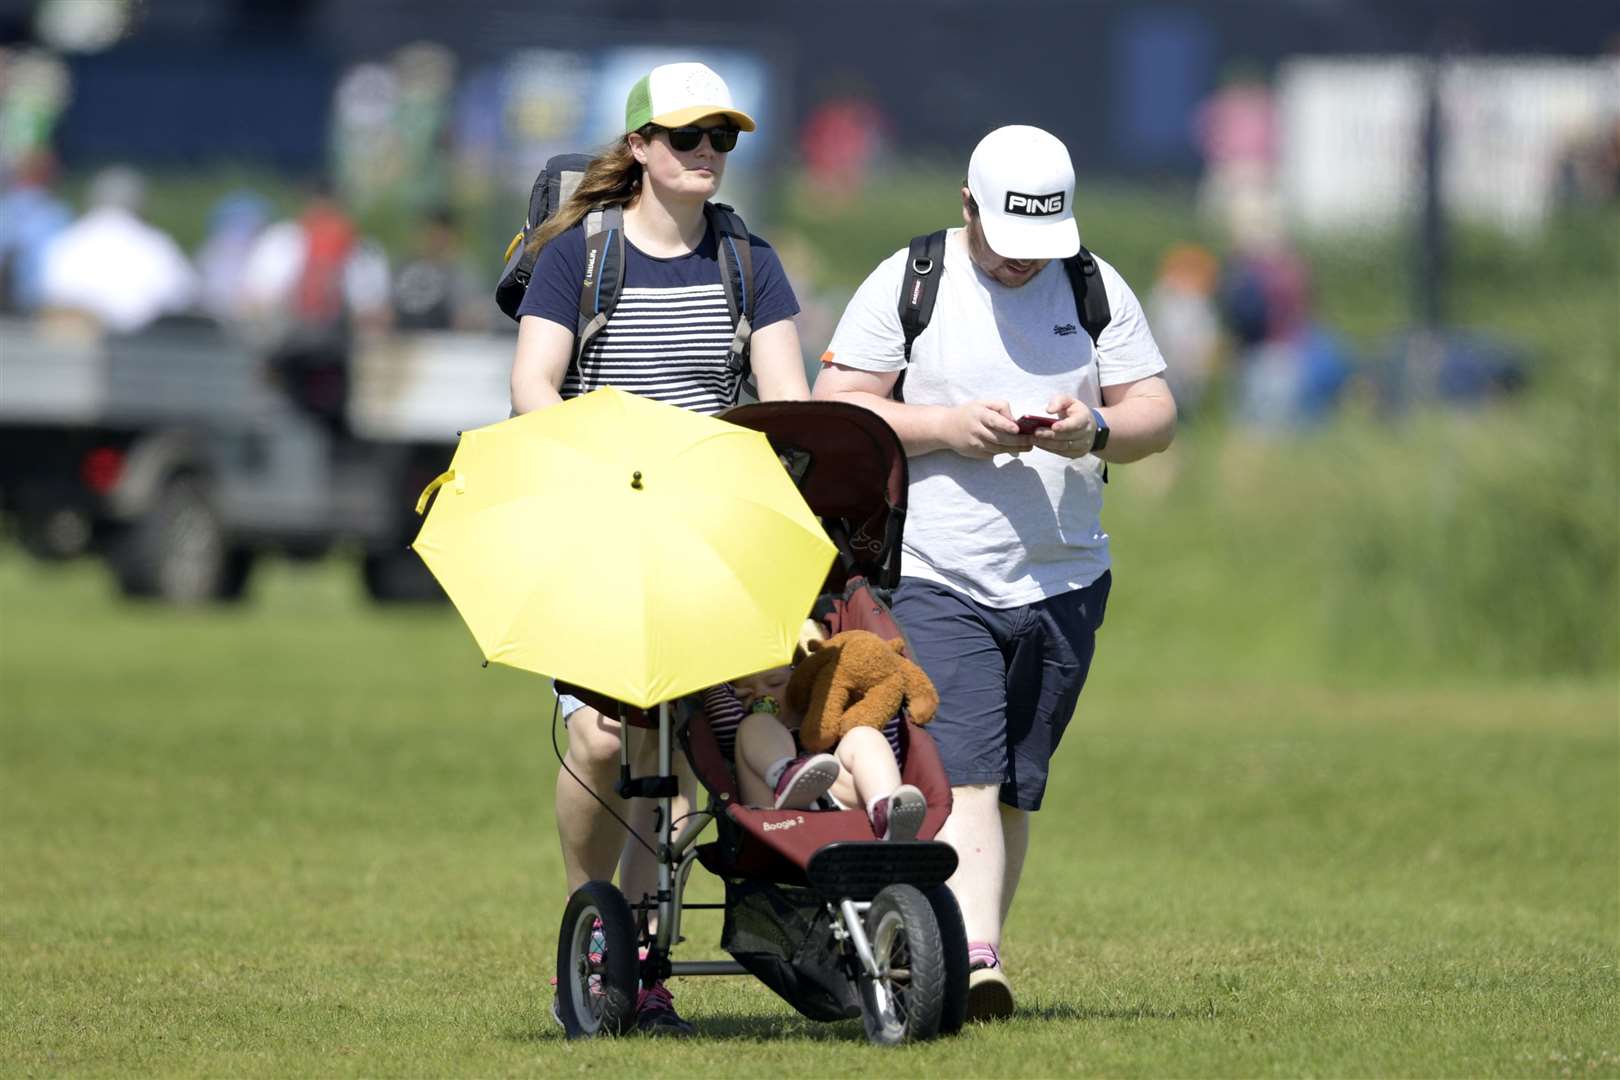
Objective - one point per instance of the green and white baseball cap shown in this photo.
(673, 95)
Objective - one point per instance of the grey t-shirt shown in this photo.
(1017, 528)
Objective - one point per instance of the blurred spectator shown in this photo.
(30, 218)
(437, 288)
(234, 226)
(1236, 130)
(309, 284)
(841, 140)
(1589, 171)
(35, 88)
(313, 275)
(1186, 324)
(1290, 370)
(113, 266)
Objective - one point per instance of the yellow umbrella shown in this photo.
(629, 547)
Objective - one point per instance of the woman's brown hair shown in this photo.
(612, 178)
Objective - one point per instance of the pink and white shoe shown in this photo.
(805, 780)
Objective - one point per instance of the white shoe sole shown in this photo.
(907, 809)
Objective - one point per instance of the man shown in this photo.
(1005, 568)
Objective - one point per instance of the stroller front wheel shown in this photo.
(597, 968)
(905, 1003)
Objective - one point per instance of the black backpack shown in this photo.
(921, 288)
(604, 258)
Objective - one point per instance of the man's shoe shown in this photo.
(806, 780)
(990, 995)
(656, 1015)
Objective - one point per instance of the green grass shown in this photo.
(314, 837)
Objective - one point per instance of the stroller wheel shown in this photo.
(906, 1002)
(597, 964)
(953, 942)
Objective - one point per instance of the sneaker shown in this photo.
(990, 995)
(656, 1015)
(900, 816)
(805, 780)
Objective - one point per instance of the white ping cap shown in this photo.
(1023, 181)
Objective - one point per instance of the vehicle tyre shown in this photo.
(399, 577)
(906, 1002)
(54, 534)
(597, 963)
(953, 943)
(178, 552)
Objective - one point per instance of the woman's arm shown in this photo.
(778, 364)
(544, 351)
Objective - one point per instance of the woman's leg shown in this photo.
(591, 840)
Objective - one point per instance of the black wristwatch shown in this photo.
(1099, 440)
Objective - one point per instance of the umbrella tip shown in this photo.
(635, 480)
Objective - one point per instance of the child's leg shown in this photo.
(897, 810)
(762, 743)
(870, 772)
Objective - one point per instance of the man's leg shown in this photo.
(1015, 839)
(974, 830)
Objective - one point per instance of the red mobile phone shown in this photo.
(1027, 424)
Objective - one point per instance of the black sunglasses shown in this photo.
(684, 139)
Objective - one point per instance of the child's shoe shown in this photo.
(900, 816)
(805, 780)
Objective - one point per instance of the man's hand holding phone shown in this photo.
(1073, 432)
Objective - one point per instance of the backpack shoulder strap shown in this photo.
(604, 274)
(1090, 296)
(737, 271)
(920, 287)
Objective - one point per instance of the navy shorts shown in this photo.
(1008, 679)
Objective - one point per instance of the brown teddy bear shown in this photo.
(856, 679)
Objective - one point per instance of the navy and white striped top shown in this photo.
(668, 336)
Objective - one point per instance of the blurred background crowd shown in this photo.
(284, 166)
(1325, 207)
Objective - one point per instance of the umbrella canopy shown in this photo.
(626, 546)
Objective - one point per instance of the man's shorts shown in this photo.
(1008, 679)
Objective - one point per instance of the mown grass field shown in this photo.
(314, 837)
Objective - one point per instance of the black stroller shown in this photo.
(837, 923)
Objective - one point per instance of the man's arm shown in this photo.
(1141, 418)
(977, 429)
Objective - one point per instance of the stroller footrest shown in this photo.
(858, 870)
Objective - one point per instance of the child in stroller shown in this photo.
(861, 770)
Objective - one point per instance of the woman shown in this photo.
(667, 339)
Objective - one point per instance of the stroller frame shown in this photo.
(901, 952)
